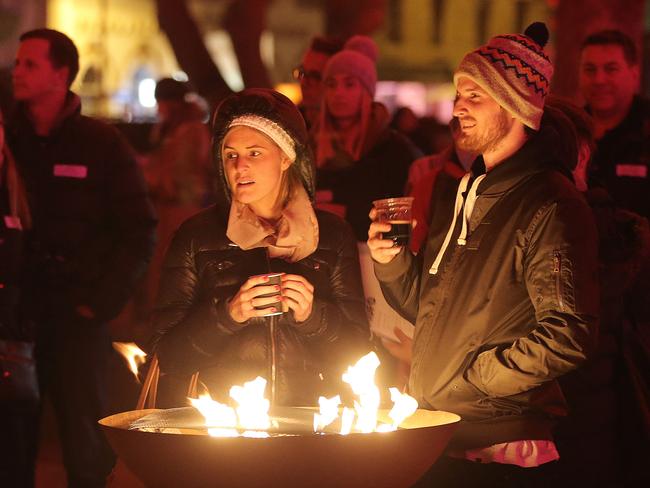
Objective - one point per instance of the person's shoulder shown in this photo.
(332, 229)
(91, 130)
(205, 230)
(210, 218)
(553, 187)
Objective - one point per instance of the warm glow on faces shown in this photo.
(253, 164)
(343, 95)
(482, 122)
(311, 84)
(607, 81)
(33, 75)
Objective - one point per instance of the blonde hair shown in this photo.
(18, 204)
(327, 133)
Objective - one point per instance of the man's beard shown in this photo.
(487, 138)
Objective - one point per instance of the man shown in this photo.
(310, 72)
(609, 80)
(504, 293)
(92, 235)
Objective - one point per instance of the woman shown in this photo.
(18, 410)
(206, 316)
(360, 159)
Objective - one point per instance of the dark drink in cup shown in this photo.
(274, 279)
(400, 232)
(397, 213)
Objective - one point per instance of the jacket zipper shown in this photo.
(272, 346)
(557, 271)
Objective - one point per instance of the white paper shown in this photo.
(381, 316)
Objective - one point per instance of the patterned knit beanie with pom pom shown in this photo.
(514, 70)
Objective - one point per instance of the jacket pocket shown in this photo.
(562, 281)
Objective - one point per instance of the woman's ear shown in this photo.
(285, 163)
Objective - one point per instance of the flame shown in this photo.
(403, 406)
(216, 414)
(361, 377)
(347, 419)
(132, 353)
(251, 414)
(329, 411)
(253, 409)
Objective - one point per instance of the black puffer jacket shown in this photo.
(203, 269)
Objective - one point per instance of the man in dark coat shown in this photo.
(92, 236)
(609, 82)
(504, 293)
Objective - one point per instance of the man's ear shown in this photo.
(636, 73)
(62, 77)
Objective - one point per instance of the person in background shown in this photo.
(91, 238)
(609, 82)
(178, 173)
(605, 416)
(213, 282)
(504, 295)
(17, 415)
(406, 122)
(310, 75)
(359, 158)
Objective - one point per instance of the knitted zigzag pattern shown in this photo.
(527, 43)
(531, 76)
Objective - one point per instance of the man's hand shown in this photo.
(382, 250)
(402, 350)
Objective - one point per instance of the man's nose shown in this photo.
(599, 76)
(460, 108)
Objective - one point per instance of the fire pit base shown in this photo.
(391, 460)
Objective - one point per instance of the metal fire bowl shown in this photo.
(194, 459)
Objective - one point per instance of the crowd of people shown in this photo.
(526, 276)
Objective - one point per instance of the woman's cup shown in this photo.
(273, 279)
(396, 212)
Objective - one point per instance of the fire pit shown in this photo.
(191, 458)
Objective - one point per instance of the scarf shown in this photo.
(292, 238)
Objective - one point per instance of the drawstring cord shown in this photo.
(467, 213)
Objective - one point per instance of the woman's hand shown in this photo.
(298, 295)
(242, 306)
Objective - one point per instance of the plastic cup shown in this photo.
(398, 213)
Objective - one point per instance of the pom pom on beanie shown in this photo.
(357, 58)
(515, 71)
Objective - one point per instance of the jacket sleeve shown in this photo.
(560, 269)
(190, 328)
(400, 283)
(132, 220)
(342, 316)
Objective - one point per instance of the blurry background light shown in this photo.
(146, 90)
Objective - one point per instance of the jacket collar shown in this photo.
(532, 158)
(71, 108)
